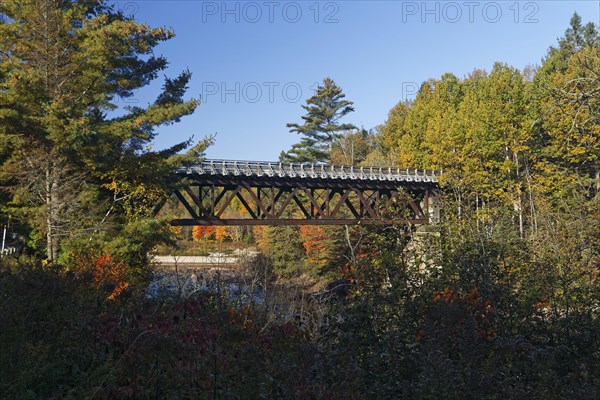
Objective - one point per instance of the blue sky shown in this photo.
(254, 63)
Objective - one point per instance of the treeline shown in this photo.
(508, 136)
(520, 146)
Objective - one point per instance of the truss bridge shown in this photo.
(224, 192)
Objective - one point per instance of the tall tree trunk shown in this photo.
(518, 208)
(50, 223)
(519, 201)
(534, 225)
(56, 175)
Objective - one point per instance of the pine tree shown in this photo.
(63, 66)
(285, 249)
(321, 126)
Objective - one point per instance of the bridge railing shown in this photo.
(310, 170)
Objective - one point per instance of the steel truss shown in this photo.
(205, 199)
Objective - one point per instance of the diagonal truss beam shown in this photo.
(281, 205)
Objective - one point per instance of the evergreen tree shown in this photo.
(321, 127)
(65, 151)
(285, 249)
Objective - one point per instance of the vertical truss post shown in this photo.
(260, 211)
(426, 204)
(212, 200)
(312, 206)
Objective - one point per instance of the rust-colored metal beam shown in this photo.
(228, 200)
(187, 205)
(286, 202)
(246, 206)
(274, 200)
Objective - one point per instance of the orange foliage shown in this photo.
(202, 232)
(106, 273)
(222, 233)
(243, 318)
(314, 240)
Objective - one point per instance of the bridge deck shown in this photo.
(309, 170)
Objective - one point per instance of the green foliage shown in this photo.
(351, 148)
(66, 146)
(285, 249)
(321, 127)
(509, 307)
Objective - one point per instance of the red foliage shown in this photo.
(108, 274)
(315, 241)
(104, 272)
(202, 232)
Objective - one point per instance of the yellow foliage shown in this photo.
(222, 234)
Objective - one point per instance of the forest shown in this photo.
(499, 298)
